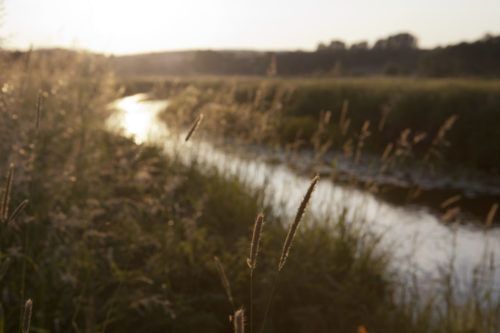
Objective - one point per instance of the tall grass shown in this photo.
(119, 238)
(282, 109)
(252, 259)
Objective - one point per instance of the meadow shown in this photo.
(119, 237)
(391, 106)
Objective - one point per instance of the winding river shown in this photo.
(420, 243)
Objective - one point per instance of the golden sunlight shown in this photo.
(137, 118)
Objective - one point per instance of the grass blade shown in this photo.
(4, 208)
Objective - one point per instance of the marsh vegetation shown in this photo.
(120, 233)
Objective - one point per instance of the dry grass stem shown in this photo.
(254, 245)
(387, 152)
(18, 210)
(450, 214)
(419, 137)
(194, 127)
(27, 315)
(491, 214)
(446, 127)
(4, 208)
(239, 321)
(293, 228)
(224, 279)
(450, 201)
(439, 140)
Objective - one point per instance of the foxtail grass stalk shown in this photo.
(491, 215)
(28, 306)
(224, 280)
(288, 243)
(239, 321)
(294, 226)
(252, 259)
(17, 211)
(194, 127)
(254, 245)
(4, 208)
(450, 201)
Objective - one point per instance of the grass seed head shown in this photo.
(239, 321)
(4, 208)
(254, 245)
(224, 279)
(194, 127)
(491, 215)
(28, 306)
(293, 227)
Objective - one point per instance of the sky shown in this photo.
(125, 27)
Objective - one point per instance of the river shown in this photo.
(420, 243)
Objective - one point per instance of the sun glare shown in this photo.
(126, 26)
(136, 119)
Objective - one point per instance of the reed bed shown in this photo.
(285, 109)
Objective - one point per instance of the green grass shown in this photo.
(293, 106)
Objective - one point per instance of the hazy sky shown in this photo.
(123, 26)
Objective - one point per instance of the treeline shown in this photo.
(397, 55)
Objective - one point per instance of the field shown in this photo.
(120, 237)
(389, 105)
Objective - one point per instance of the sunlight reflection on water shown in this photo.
(137, 121)
(420, 243)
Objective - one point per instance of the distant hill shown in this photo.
(396, 55)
